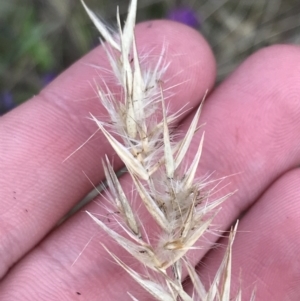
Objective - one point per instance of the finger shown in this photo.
(36, 137)
(241, 103)
(252, 124)
(266, 249)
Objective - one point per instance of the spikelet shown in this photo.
(176, 201)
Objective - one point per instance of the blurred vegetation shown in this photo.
(41, 38)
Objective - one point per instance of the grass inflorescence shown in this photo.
(177, 202)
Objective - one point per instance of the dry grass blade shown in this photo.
(143, 253)
(184, 145)
(128, 31)
(225, 289)
(169, 161)
(177, 286)
(221, 284)
(188, 222)
(190, 175)
(197, 284)
(138, 92)
(102, 29)
(154, 288)
(131, 163)
(151, 205)
(120, 198)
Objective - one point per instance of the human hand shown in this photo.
(252, 125)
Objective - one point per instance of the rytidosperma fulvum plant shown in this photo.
(176, 201)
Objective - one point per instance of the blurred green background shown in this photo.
(41, 38)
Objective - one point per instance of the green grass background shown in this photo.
(41, 38)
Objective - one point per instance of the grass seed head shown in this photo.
(177, 202)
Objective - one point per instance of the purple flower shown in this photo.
(6, 102)
(184, 15)
(48, 78)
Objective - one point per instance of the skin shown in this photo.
(252, 134)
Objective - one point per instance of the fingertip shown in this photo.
(273, 67)
(190, 56)
(278, 53)
(191, 71)
(182, 40)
